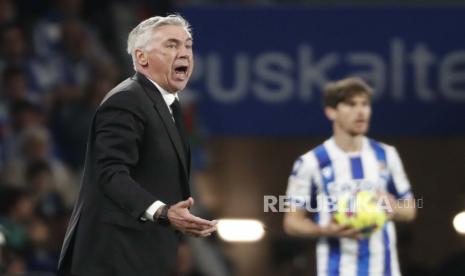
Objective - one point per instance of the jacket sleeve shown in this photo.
(119, 129)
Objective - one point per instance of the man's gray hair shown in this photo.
(140, 36)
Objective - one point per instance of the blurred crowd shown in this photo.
(58, 58)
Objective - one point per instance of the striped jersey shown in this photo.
(328, 172)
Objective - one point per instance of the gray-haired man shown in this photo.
(135, 196)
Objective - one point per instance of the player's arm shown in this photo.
(298, 224)
(405, 210)
(400, 209)
(399, 196)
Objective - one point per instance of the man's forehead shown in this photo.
(173, 32)
(357, 97)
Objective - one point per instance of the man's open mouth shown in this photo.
(181, 69)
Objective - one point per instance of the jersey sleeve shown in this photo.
(399, 184)
(301, 187)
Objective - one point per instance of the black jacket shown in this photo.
(134, 157)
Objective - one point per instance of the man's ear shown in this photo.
(141, 57)
(331, 113)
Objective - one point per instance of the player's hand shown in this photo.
(335, 230)
(181, 218)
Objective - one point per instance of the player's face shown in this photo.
(169, 59)
(353, 115)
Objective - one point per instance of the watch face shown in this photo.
(163, 218)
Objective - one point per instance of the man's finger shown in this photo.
(194, 225)
(200, 221)
(351, 233)
(345, 227)
(187, 203)
(203, 233)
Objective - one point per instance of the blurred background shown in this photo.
(252, 107)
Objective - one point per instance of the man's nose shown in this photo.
(183, 52)
(360, 109)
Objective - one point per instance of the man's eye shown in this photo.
(189, 46)
(171, 45)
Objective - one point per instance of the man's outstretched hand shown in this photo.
(181, 218)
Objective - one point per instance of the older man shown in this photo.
(135, 198)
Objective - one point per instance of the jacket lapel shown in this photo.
(162, 109)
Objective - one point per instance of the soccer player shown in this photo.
(346, 163)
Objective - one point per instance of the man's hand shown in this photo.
(181, 219)
(334, 230)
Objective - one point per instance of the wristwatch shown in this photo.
(163, 217)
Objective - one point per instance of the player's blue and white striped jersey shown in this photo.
(327, 171)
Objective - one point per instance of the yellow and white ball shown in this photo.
(361, 212)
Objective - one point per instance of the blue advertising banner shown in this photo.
(261, 70)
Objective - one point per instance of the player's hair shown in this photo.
(343, 90)
(140, 37)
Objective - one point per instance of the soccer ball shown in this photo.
(361, 212)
